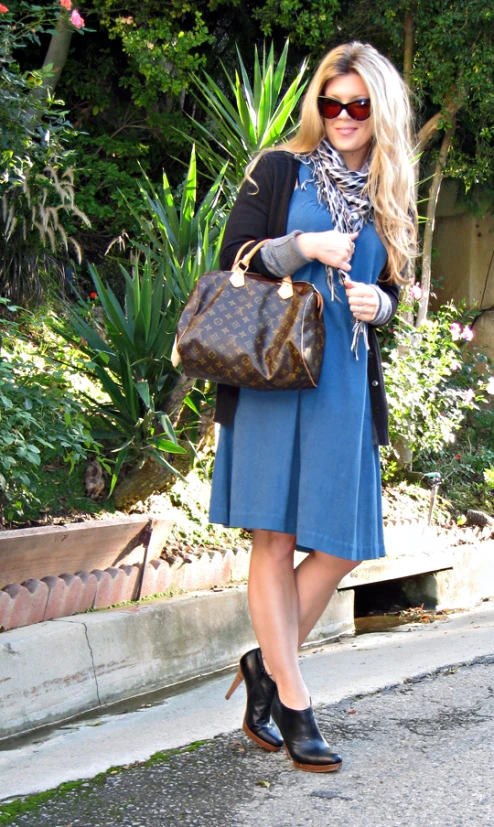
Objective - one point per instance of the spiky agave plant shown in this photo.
(253, 116)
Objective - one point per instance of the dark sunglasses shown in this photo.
(358, 110)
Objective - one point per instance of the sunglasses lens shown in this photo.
(329, 108)
(359, 110)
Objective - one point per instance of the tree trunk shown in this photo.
(140, 483)
(57, 53)
(152, 478)
(175, 401)
(408, 50)
(430, 222)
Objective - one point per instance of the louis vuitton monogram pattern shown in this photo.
(250, 337)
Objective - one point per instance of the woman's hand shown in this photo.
(363, 300)
(329, 247)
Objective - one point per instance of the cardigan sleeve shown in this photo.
(251, 215)
(390, 294)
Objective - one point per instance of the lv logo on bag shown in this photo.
(215, 336)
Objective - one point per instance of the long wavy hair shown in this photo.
(391, 181)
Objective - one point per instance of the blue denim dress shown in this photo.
(305, 462)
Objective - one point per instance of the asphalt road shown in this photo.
(418, 754)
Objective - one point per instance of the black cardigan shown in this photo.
(263, 213)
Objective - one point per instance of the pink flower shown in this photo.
(66, 4)
(455, 329)
(3, 9)
(467, 334)
(416, 291)
(490, 386)
(469, 396)
(76, 19)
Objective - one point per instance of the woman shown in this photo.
(301, 468)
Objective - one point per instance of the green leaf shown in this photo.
(122, 456)
(167, 445)
(163, 462)
(143, 391)
(188, 401)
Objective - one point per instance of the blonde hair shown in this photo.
(391, 182)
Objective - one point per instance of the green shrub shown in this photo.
(41, 421)
(253, 117)
(129, 357)
(432, 382)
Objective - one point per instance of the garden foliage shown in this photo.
(36, 184)
(129, 357)
(433, 381)
(42, 420)
(260, 115)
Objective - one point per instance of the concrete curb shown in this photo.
(413, 548)
(58, 669)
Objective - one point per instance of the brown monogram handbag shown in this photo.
(243, 329)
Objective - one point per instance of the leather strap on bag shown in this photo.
(241, 265)
(245, 261)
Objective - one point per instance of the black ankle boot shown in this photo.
(260, 691)
(303, 741)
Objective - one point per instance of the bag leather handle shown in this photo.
(245, 261)
(241, 265)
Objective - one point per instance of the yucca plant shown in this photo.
(130, 360)
(180, 241)
(180, 232)
(255, 116)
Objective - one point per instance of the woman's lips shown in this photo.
(346, 131)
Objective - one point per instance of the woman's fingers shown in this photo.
(330, 247)
(362, 300)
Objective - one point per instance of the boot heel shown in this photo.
(236, 682)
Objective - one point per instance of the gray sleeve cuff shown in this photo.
(385, 312)
(282, 256)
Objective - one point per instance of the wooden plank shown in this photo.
(95, 544)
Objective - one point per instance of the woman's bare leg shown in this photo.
(274, 610)
(316, 579)
(286, 603)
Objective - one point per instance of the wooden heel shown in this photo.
(236, 682)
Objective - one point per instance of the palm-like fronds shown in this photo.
(255, 116)
(179, 234)
(131, 362)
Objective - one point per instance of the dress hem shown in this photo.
(306, 540)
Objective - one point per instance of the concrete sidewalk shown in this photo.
(338, 675)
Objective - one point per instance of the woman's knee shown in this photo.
(278, 545)
(338, 565)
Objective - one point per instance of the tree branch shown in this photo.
(431, 128)
(408, 49)
(57, 53)
(430, 222)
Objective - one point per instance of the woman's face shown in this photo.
(351, 138)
